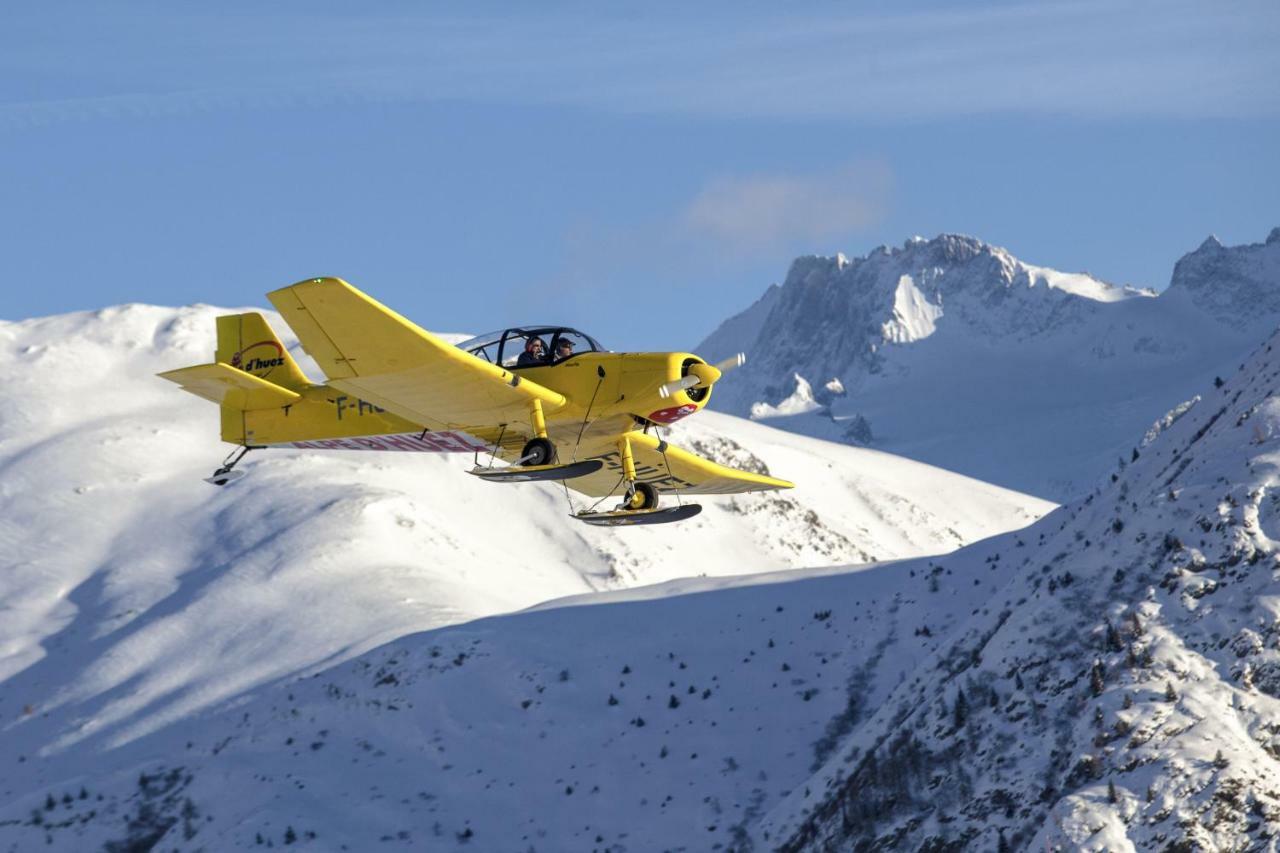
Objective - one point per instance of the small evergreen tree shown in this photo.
(1113, 642)
(1112, 797)
(289, 835)
(1097, 680)
(1170, 694)
(960, 712)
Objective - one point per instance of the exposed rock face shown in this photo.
(961, 355)
(1232, 284)
(1120, 693)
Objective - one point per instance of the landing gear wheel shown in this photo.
(539, 451)
(641, 496)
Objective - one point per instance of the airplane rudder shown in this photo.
(247, 342)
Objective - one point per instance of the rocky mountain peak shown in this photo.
(921, 331)
(1234, 283)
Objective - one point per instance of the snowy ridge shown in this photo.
(1232, 284)
(800, 402)
(1126, 639)
(135, 597)
(961, 355)
(1121, 692)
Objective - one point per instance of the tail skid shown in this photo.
(226, 474)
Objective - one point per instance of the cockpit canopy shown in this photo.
(530, 346)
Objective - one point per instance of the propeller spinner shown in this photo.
(699, 375)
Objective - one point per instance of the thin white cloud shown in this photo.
(725, 227)
(761, 212)
(1157, 59)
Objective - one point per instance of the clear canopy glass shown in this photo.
(530, 346)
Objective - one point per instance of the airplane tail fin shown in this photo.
(246, 342)
(252, 371)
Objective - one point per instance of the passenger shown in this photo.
(564, 349)
(535, 353)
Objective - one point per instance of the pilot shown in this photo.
(564, 349)
(535, 352)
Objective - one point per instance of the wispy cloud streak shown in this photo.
(1169, 59)
(758, 213)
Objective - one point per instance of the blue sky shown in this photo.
(639, 171)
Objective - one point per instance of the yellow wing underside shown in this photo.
(668, 469)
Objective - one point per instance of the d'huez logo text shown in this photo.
(255, 364)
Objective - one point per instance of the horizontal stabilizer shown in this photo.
(227, 386)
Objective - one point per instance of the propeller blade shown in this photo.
(731, 362)
(668, 388)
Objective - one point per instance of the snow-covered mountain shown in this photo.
(1106, 679)
(956, 353)
(134, 596)
(1120, 692)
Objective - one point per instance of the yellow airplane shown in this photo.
(525, 395)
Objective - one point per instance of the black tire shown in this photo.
(538, 451)
(642, 496)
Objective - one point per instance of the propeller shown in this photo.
(699, 375)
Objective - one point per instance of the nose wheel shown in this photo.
(640, 496)
(639, 502)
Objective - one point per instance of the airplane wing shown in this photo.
(371, 352)
(668, 469)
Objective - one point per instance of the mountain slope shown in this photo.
(1128, 638)
(1119, 693)
(134, 594)
(956, 353)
